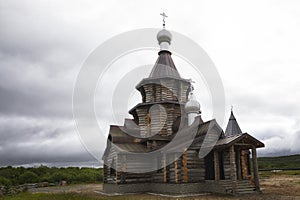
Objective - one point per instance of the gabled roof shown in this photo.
(233, 127)
(207, 133)
(239, 139)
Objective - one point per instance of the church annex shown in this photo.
(167, 148)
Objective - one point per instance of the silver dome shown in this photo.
(164, 36)
(192, 105)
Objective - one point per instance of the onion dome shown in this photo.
(164, 38)
(192, 105)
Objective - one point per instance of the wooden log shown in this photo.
(255, 168)
(165, 169)
(185, 169)
(233, 169)
(116, 167)
(243, 165)
(124, 163)
(176, 171)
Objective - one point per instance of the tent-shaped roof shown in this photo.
(164, 67)
(233, 127)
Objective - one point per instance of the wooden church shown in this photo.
(167, 148)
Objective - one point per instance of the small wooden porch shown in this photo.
(235, 163)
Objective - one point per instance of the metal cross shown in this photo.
(164, 17)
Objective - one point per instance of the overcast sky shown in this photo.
(255, 46)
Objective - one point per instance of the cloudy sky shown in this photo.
(255, 46)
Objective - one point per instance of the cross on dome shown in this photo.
(164, 17)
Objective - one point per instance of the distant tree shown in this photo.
(4, 181)
(28, 177)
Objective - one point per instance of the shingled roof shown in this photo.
(244, 137)
(164, 67)
(233, 127)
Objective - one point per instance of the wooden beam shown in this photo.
(124, 163)
(217, 166)
(255, 168)
(243, 145)
(233, 169)
(165, 169)
(238, 166)
(116, 168)
(243, 165)
(185, 170)
(175, 166)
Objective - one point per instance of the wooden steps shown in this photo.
(243, 186)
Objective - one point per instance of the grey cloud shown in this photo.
(30, 141)
(44, 43)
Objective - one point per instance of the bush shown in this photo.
(28, 177)
(4, 181)
(21, 175)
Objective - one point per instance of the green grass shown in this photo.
(267, 174)
(285, 162)
(13, 176)
(43, 196)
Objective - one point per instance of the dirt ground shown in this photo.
(273, 188)
(281, 186)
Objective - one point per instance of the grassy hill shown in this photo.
(280, 162)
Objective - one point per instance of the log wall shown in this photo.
(165, 90)
(161, 119)
(227, 164)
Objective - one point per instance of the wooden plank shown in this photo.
(185, 169)
(124, 163)
(165, 169)
(176, 171)
(116, 168)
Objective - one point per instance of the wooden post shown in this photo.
(148, 122)
(243, 165)
(239, 170)
(176, 171)
(116, 168)
(255, 168)
(124, 163)
(165, 169)
(185, 170)
(217, 166)
(233, 169)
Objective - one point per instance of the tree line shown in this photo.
(13, 176)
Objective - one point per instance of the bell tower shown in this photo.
(164, 93)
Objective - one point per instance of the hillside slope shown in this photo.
(280, 162)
